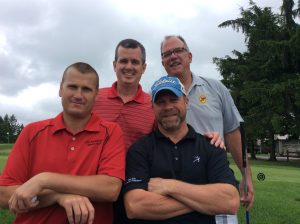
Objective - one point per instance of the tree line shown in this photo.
(265, 79)
(9, 129)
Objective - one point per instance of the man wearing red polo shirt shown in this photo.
(69, 168)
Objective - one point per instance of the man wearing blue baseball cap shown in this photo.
(174, 175)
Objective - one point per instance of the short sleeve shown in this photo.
(112, 159)
(218, 167)
(137, 166)
(16, 170)
(231, 115)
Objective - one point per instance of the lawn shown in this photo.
(277, 198)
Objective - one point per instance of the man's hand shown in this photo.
(247, 199)
(157, 185)
(216, 139)
(24, 198)
(78, 208)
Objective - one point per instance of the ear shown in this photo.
(186, 99)
(114, 65)
(190, 55)
(144, 67)
(60, 89)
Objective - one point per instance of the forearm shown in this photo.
(5, 194)
(209, 199)
(141, 204)
(47, 198)
(234, 144)
(96, 187)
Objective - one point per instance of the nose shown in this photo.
(168, 105)
(78, 93)
(128, 65)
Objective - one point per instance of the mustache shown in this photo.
(169, 113)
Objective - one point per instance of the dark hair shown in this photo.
(131, 43)
(82, 68)
(176, 36)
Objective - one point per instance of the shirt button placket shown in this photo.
(72, 148)
(176, 153)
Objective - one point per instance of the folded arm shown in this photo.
(209, 199)
(96, 187)
(50, 187)
(141, 204)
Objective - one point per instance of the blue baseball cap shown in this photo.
(167, 83)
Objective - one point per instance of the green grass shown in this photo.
(5, 216)
(6, 146)
(277, 198)
(5, 149)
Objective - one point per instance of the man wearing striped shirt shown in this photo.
(125, 102)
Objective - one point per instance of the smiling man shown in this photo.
(69, 168)
(125, 102)
(174, 175)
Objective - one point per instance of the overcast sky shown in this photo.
(40, 38)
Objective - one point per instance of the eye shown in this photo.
(166, 54)
(72, 86)
(174, 99)
(123, 61)
(135, 62)
(178, 50)
(86, 89)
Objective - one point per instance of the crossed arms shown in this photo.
(167, 198)
(74, 193)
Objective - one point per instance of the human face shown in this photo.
(129, 66)
(78, 93)
(177, 63)
(170, 110)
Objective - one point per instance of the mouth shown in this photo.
(169, 115)
(77, 103)
(175, 63)
(128, 73)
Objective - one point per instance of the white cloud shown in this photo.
(39, 38)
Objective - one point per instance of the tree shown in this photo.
(265, 80)
(9, 129)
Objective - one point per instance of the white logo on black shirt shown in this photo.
(133, 179)
(196, 159)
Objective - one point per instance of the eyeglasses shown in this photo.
(176, 51)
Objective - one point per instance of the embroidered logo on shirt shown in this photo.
(93, 142)
(196, 159)
(133, 179)
(202, 99)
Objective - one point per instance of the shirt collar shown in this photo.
(197, 81)
(91, 126)
(139, 97)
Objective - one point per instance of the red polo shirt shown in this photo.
(48, 146)
(135, 117)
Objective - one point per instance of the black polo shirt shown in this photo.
(193, 160)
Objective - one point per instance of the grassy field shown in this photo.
(277, 198)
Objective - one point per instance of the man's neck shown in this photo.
(186, 80)
(176, 135)
(73, 124)
(126, 92)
